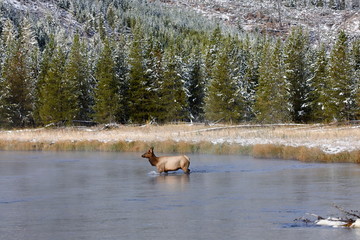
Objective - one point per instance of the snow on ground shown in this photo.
(322, 23)
(329, 139)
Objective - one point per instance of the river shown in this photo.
(93, 195)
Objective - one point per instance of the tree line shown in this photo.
(139, 75)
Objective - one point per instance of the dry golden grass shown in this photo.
(323, 143)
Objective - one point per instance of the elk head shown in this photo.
(149, 153)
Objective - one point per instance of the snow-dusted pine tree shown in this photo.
(296, 72)
(44, 64)
(51, 109)
(121, 71)
(154, 76)
(211, 53)
(196, 86)
(76, 82)
(222, 99)
(273, 96)
(319, 95)
(138, 85)
(340, 80)
(18, 80)
(252, 55)
(172, 93)
(107, 99)
(355, 62)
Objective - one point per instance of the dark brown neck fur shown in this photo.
(153, 160)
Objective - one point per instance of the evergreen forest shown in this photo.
(135, 62)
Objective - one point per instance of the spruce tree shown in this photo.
(320, 87)
(45, 61)
(237, 61)
(8, 49)
(17, 85)
(51, 107)
(221, 100)
(121, 71)
(139, 95)
(355, 53)
(107, 99)
(211, 53)
(340, 79)
(272, 97)
(196, 86)
(296, 72)
(172, 92)
(76, 80)
(252, 56)
(154, 61)
(110, 16)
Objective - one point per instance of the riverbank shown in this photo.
(320, 143)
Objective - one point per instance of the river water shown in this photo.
(47, 195)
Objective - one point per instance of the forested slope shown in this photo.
(132, 61)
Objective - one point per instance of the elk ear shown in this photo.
(151, 149)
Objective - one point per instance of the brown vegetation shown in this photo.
(301, 142)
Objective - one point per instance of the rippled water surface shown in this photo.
(97, 196)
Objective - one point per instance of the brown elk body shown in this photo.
(168, 163)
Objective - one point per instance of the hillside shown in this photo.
(278, 18)
(268, 16)
(134, 61)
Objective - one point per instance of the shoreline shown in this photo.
(310, 143)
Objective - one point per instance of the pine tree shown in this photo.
(110, 15)
(107, 99)
(172, 92)
(221, 99)
(47, 56)
(340, 79)
(17, 90)
(237, 69)
(51, 109)
(2, 87)
(196, 87)
(102, 28)
(211, 53)
(272, 97)
(252, 57)
(77, 84)
(319, 95)
(154, 77)
(8, 48)
(355, 56)
(296, 73)
(121, 71)
(139, 95)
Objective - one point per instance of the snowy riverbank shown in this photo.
(330, 139)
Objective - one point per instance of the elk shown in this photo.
(168, 163)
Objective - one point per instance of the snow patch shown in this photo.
(331, 222)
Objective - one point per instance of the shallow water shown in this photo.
(46, 195)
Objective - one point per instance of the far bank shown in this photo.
(315, 143)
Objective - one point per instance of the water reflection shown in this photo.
(113, 196)
(172, 182)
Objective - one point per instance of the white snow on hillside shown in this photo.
(267, 16)
(245, 15)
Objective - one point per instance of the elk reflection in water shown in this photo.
(172, 182)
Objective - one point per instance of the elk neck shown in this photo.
(153, 160)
